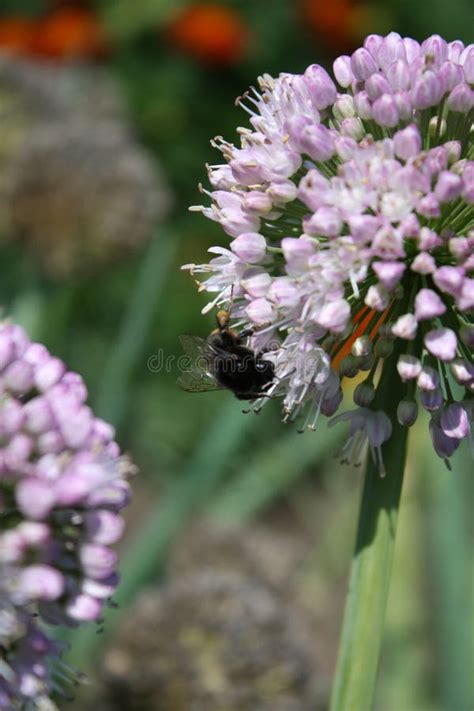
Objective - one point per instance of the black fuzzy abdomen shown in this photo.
(246, 374)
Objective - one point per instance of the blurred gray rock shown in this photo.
(75, 186)
(209, 641)
(262, 552)
(290, 556)
(245, 622)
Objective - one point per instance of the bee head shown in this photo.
(222, 318)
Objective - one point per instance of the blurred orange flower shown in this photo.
(69, 32)
(211, 32)
(333, 21)
(17, 34)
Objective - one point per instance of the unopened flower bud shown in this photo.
(449, 279)
(454, 421)
(408, 367)
(364, 394)
(405, 327)
(257, 202)
(428, 305)
(459, 166)
(453, 149)
(377, 297)
(342, 71)
(334, 315)
(459, 247)
(344, 107)
(383, 348)
(283, 191)
(431, 399)
(317, 142)
(407, 412)
(407, 142)
(324, 222)
(362, 346)
(442, 343)
(428, 206)
(461, 99)
(455, 50)
(377, 85)
(467, 335)
(437, 127)
(385, 111)
(423, 263)
(348, 367)
(444, 446)
(260, 311)
(462, 370)
(428, 239)
(40, 582)
(426, 91)
(346, 147)
(352, 128)
(362, 104)
(256, 283)
(404, 106)
(362, 64)
(18, 376)
(385, 331)
(366, 362)
(249, 247)
(428, 379)
(448, 187)
(321, 87)
(467, 61)
(398, 74)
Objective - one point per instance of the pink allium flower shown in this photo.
(370, 232)
(62, 486)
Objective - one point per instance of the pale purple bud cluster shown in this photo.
(393, 78)
(62, 487)
(351, 217)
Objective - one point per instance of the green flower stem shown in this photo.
(449, 498)
(364, 616)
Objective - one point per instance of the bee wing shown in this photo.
(195, 347)
(195, 382)
(198, 378)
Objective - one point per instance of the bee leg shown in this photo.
(246, 333)
(267, 349)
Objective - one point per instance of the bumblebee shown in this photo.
(223, 361)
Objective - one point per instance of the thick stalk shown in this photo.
(364, 616)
